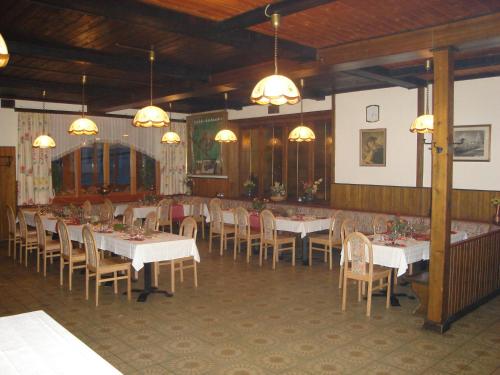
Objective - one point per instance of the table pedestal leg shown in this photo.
(305, 251)
(148, 289)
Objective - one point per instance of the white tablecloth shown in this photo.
(143, 211)
(34, 343)
(302, 226)
(163, 246)
(401, 257)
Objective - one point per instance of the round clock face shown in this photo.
(372, 113)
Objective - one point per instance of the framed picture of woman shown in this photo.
(372, 147)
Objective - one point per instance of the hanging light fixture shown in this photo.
(171, 137)
(424, 123)
(225, 135)
(4, 53)
(83, 125)
(151, 115)
(44, 140)
(301, 133)
(275, 89)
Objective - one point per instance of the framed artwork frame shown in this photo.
(472, 143)
(373, 113)
(372, 147)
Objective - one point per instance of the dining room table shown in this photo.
(35, 343)
(143, 250)
(179, 210)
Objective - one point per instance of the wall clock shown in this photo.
(372, 113)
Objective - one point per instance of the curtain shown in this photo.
(34, 164)
(173, 163)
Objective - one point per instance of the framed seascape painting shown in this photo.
(473, 143)
(372, 147)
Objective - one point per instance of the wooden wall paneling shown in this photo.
(333, 139)
(284, 168)
(244, 154)
(105, 161)
(420, 138)
(231, 160)
(209, 187)
(8, 186)
(442, 173)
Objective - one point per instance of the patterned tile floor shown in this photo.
(243, 319)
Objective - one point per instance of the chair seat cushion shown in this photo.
(319, 238)
(78, 255)
(281, 238)
(113, 264)
(380, 270)
(52, 245)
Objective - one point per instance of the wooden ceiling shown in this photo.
(208, 47)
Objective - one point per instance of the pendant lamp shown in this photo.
(275, 89)
(225, 135)
(301, 133)
(171, 137)
(424, 123)
(151, 115)
(83, 125)
(44, 140)
(4, 53)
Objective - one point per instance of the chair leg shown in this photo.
(172, 276)
(45, 263)
(156, 268)
(181, 270)
(8, 250)
(388, 298)
(330, 252)
(61, 271)
(38, 255)
(310, 253)
(344, 293)
(275, 255)
(129, 284)
(293, 254)
(87, 276)
(341, 276)
(115, 282)
(369, 299)
(359, 291)
(203, 228)
(70, 276)
(97, 283)
(234, 247)
(210, 240)
(195, 270)
(249, 249)
(260, 254)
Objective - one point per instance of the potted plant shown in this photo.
(249, 186)
(310, 189)
(496, 202)
(278, 192)
(258, 204)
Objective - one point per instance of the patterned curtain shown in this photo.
(34, 165)
(173, 163)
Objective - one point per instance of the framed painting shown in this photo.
(372, 147)
(472, 143)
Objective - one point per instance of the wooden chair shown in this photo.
(379, 224)
(29, 240)
(218, 228)
(164, 215)
(87, 209)
(358, 248)
(99, 267)
(108, 202)
(348, 227)
(188, 228)
(47, 247)
(151, 222)
(14, 233)
(74, 258)
(196, 212)
(269, 237)
(106, 212)
(128, 216)
(244, 233)
(326, 242)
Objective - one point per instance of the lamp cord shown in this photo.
(83, 95)
(276, 50)
(151, 60)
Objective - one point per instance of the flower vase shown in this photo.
(496, 218)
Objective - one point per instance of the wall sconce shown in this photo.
(439, 149)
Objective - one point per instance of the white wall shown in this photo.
(8, 127)
(477, 102)
(398, 108)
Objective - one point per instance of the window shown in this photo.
(92, 171)
(119, 168)
(145, 172)
(63, 175)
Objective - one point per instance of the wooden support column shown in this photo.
(442, 173)
(420, 139)
(332, 164)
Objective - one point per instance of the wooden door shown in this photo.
(7, 186)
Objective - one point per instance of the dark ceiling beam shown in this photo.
(89, 56)
(257, 16)
(156, 18)
(383, 75)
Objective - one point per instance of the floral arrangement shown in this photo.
(150, 198)
(311, 188)
(278, 189)
(249, 185)
(259, 204)
(495, 201)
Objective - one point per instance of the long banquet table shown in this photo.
(34, 343)
(179, 210)
(161, 247)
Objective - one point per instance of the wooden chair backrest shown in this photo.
(23, 227)
(379, 224)
(106, 213)
(91, 251)
(196, 207)
(128, 216)
(66, 245)
(348, 227)
(189, 228)
(267, 226)
(11, 219)
(151, 223)
(164, 212)
(358, 249)
(335, 224)
(87, 208)
(108, 202)
(215, 210)
(242, 221)
(40, 232)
